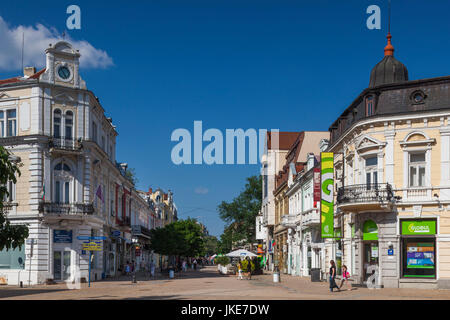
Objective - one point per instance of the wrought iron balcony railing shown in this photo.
(63, 143)
(126, 221)
(365, 193)
(66, 208)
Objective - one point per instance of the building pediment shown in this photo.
(367, 142)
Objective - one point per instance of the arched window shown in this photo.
(68, 125)
(63, 183)
(57, 123)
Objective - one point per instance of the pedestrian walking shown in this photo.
(333, 276)
(152, 269)
(127, 268)
(345, 278)
(184, 266)
(195, 264)
(240, 277)
(249, 268)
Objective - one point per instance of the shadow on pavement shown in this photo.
(9, 293)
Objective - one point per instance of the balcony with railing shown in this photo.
(365, 196)
(64, 144)
(310, 217)
(288, 220)
(125, 222)
(71, 209)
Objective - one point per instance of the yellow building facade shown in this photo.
(392, 181)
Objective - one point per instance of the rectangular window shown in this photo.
(11, 187)
(2, 124)
(94, 131)
(69, 125)
(66, 192)
(417, 169)
(12, 258)
(11, 123)
(57, 192)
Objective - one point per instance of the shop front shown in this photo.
(370, 249)
(418, 248)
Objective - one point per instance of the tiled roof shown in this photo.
(22, 79)
(286, 139)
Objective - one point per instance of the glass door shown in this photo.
(61, 265)
(370, 258)
(57, 267)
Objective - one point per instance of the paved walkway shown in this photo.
(208, 284)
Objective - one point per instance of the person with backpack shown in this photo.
(333, 276)
(345, 278)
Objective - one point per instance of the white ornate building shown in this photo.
(70, 184)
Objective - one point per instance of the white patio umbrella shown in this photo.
(241, 253)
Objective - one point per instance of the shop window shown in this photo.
(419, 257)
(418, 248)
(12, 258)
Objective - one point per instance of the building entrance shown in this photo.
(61, 265)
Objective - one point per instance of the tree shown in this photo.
(179, 238)
(211, 245)
(11, 236)
(130, 174)
(240, 214)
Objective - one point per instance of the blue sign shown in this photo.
(390, 252)
(90, 238)
(62, 236)
(98, 238)
(115, 233)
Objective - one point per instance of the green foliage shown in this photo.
(130, 174)
(226, 239)
(11, 236)
(245, 265)
(223, 260)
(211, 244)
(182, 238)
(240, 214)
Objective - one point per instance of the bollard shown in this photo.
(21, 284)
(134, 278)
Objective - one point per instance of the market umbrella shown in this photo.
(241, 253)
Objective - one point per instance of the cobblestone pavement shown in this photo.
(208, 284)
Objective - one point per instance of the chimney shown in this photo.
(150, 190)
(29, 71)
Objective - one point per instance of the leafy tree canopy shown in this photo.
(182, 238)
(11, 236)
(240, 214)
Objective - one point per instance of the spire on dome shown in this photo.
(389, 49)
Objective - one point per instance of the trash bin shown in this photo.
(315, 274)
(276, 275)
(171, 272)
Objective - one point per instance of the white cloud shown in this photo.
(37, 39)
(201, 190)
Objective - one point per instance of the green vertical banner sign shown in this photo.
(327, 194)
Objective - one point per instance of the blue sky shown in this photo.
(290, 65)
